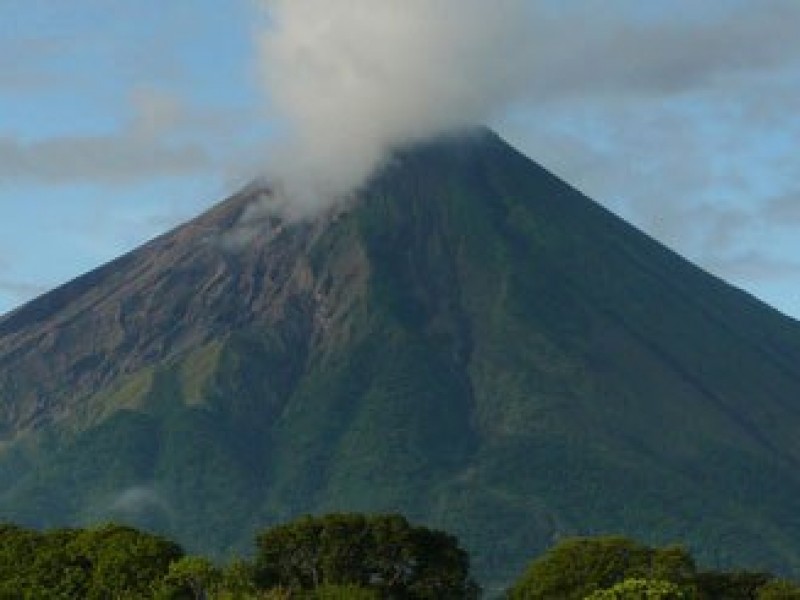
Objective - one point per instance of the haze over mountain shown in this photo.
(468, 340)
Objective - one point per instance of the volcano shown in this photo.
(467, 340)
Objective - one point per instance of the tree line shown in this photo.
(351, 556)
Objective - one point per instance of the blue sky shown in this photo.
(120, 119)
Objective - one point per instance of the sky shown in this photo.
(119, 120)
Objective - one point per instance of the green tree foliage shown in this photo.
(350, 557)
(34, 565)
(190, 578)
(730, 585)
(779, 589)
(578, 567)
(125, 561)
(383, 552)
(342, 592)
(238, 579)
(106, 562)
(642, 589)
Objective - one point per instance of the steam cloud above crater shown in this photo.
(352, 80)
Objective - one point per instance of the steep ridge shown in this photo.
(469, 341)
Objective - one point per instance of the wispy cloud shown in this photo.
(137, 499)
(96, 159)
(758, 266)
(21, 291)
(693, 46)
(142, 148)
(784, 210)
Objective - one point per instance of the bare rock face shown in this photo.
(470, 341)
(221, 272)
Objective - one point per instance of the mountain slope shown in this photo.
(471, 342)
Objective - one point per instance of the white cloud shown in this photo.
(354, 81)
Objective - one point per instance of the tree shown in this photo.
(577, 567)
(381, 552)
(341, 592)
(41, 564)
(238, 579)
(191, 577)
(107, 562)
(730, 585)
(642, 589)
(124, 562)
(779, 589)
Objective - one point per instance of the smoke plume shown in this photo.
(351, 80)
